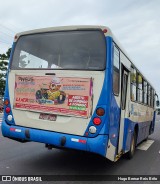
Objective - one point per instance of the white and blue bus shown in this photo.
(75, 87)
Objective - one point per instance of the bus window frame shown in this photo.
(138, 88)
(116, 46)
(131, 84)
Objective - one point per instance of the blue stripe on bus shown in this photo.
(129, 127)
(105, 96)
(95, 145)
(6, 96)
(128, 132)
(114, 122)
(113, 108)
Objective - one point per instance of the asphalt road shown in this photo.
(34, 159)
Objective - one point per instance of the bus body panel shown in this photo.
(140, 116)
(65, 124)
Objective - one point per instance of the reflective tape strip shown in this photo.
(74, 140)
(18, 130)
(15, 130)
(78, 140)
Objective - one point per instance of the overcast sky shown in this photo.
(135, 23)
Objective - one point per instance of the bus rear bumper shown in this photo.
(22, 134)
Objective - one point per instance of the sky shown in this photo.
(135, 23)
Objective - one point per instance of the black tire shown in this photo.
(131, 152)
(150, 129)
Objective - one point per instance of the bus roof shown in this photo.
(80, 27)
(64, 28)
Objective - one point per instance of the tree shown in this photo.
(3, 69)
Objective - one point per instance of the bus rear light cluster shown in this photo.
(105, 30)
(97, 121)
(6, 103)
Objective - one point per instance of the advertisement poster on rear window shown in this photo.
(55, 95)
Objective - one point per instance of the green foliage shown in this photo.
(3, 69)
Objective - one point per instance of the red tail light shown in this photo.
(12, 129)
(8, 110)
(105, 30)
(97, 121)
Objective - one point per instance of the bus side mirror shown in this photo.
(157, 103)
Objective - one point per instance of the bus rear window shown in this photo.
(75, 50)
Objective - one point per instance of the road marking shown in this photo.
(145, 145)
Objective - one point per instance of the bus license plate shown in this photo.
(50, 117)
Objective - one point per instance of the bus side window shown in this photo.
(149, 95)
(140, 88)
(116, 68)
(133, 84)
(145, 91)
(152, 97)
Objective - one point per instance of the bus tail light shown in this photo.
(100, 111)
(8, 110)
(97, 121)
(105, 30)
(6, 102)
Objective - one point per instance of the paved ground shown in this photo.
(32, 158)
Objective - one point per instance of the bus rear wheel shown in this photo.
(131, 152)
